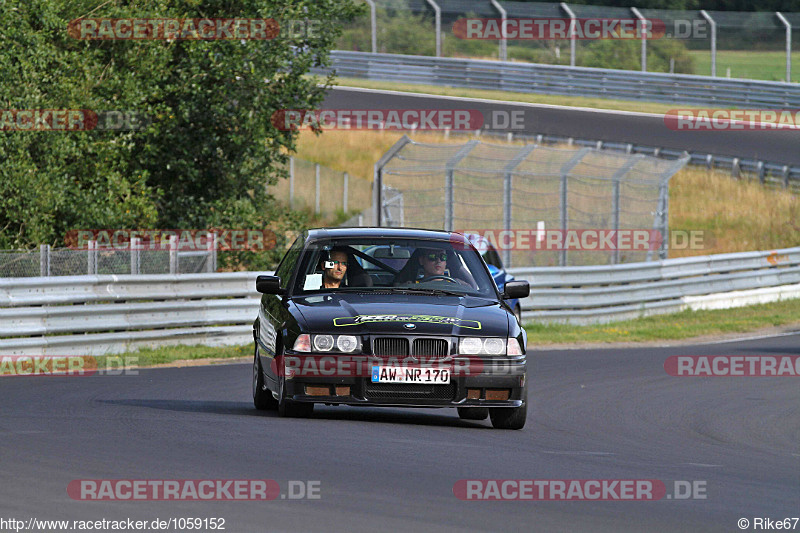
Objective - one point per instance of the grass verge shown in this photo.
(677, 326)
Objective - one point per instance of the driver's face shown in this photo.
(433, 262)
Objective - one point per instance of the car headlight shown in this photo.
(327, 343)
(323, 343)
(346, 343)
(482, 346)
(470, 346)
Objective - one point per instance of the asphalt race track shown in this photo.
(595, 414)
(779, 146)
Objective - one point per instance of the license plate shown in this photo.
(397, 374)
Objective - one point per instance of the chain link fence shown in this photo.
(738, 44)
(48, 261)
(326, 192)
(491, 189)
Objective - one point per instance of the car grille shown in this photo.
(398, 346)
(403, 391)
(431, 347)
(390, 346)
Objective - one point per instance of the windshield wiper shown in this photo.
(422, 290)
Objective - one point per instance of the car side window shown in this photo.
(492, 258)
(287, 266)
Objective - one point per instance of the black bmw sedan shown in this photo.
(389, 317)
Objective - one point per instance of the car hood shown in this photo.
(362, 314)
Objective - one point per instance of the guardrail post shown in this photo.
(438, 11)
(735, 169)
(760, 169)
(173, 254)
(788, 45)
(44, 260)
(503, 30)
(710, 162)
(572, 34)
(713, 41)
(645, 29)
(291, 182)
(785, 172)
(344, 193)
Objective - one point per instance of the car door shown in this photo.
(273, 314)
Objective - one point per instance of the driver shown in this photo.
(433, 262)
(333, 278)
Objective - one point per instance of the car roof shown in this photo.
(374, 232)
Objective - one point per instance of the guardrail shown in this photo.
(597, 294)
(96, 315)
(681, 89)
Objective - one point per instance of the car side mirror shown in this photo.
(269, 285)
(516, 289)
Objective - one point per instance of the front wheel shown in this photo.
(290, 408)
(509, 418)
(262, 396)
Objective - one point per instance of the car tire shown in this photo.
(262, 396)
(473, 413)
(509, 418)
(289, 408)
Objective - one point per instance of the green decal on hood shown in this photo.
(361, 319)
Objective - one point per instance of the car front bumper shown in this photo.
(499, 381)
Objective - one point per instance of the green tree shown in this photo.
(210, 148)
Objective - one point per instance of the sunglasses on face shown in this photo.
(332, 264)
(437, 256)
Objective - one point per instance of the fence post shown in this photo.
(344, 193)
(645, 30)
(449, 204)
(572, 33)
(316, 188)
(785, 172)
(173, 254)
(508, 192)
(373, 22)
(44, 260)
(564, 172)
(291, 182)
(713, 41)
(788, 45)
(135, 259)
(211, 252)
(762, 175)
(503, 30)
(615, 207)
(438, 11)
(735, 170)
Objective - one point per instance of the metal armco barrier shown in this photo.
(96, 315)
(682, 89)
(597, 294)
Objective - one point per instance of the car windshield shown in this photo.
(397, 265)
